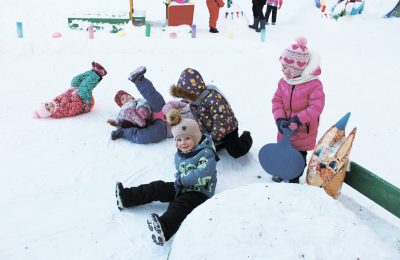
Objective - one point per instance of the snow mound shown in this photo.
(276, 221)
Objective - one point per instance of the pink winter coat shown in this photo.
(306, 100)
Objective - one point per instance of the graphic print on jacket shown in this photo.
(196, 169)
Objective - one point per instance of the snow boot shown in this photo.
(262, 25)
(154, 225)
(213, 30)
(277, 179)
(117, 134)
(100, 70)
(137, 75)
(255, 24)
(119, 189)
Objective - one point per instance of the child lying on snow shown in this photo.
(147, 125)
(195, 180)
(76, 100)
(133, 113)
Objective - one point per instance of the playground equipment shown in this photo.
(338, 8)
(114, 21)
(179, 12)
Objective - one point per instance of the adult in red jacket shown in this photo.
(213, 9)
(299, 99)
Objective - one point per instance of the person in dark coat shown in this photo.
(258, 15)
(213, 113)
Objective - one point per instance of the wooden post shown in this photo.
(131, 10)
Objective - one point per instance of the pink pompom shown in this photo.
(301, 40)
(35, 115)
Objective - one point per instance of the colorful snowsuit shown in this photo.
(79, 99)
(212, 112)
(136, 111)
(195, 182)
(213, 9)
(85, 83)
(155, 131)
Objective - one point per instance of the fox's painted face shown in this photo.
(328, 163)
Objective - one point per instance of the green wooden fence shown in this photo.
(375, 188)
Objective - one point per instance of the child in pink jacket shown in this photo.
(299, 99)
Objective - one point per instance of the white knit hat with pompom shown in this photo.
(296, 57)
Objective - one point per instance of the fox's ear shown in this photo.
(345, 148)
(330, 137)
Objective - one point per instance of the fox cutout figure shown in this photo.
(330, 159)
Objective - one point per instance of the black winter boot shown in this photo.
(262, 25)
(117, 134)
(213, 30)
(255, 24)
(155, 226)
(137, 75)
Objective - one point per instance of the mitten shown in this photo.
(281, 123)
(294, 123)
(220, 3)
(113, 122)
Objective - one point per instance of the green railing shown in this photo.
(375, 188)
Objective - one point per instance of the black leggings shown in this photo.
(274, 10)
(297, 179)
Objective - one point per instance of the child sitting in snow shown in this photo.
(299, 99)
(133, 113)
(155, 129)
(212, 112)
(76, 100)
(195, 180)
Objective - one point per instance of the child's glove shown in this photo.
(220, 3)
(294, 123)
(281, 123)
(113, 122)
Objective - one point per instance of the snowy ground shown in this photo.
(57, 178)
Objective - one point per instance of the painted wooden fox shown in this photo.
(329, 161)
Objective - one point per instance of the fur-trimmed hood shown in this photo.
(190, 85)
